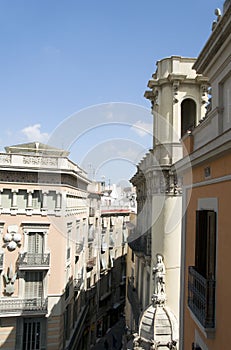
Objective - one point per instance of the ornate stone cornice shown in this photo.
(219, 35)
(176, 77)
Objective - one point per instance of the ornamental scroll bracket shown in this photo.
(175, 90)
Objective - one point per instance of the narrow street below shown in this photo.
(113, 339)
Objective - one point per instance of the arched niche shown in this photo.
(188, 115)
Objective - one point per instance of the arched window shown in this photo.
(188, 115)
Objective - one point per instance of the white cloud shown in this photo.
(33, 133)
(142, 129)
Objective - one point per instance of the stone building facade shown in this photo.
(178, 97)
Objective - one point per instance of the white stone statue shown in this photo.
(159, 275)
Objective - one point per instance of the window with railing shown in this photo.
(201, 277)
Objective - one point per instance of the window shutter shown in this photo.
(34, 284)
(211, 261)
(38, 243)
(201, 242)
(35, 242)
(205, 251)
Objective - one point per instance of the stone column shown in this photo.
(58, 201)
(29, 199)
(14, 199)
(44, 203)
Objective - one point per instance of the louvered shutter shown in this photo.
(33, 284)
(35, 242)
(205, 252)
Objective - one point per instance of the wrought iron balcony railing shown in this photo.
(15, 305)
(31, 260)
(201, 298)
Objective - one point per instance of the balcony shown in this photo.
(77, 282)
(140, 244)
(134, 301)
(31, 305)
(1, 261)
(91, 263)
(28, 261)
(201, 298)
(78, 247)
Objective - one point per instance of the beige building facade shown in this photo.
(44, 225)
(62, 258)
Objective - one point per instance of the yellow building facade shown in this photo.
(205, 286)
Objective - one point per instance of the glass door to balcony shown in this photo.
(35, 248)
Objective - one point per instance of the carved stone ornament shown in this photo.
(136, 341)
(40, 161)
(172, 345)
(175, 89)
(154, 345)
(5, 159)
(204, 94)
(9, 278)
(156, 97)
(12, 238)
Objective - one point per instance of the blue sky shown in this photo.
(59, 58)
